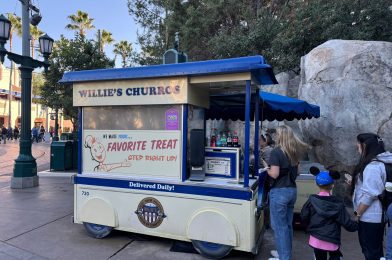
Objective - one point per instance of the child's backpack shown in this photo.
(386, 197)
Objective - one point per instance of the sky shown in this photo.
(111, 15)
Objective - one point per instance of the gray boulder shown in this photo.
(351, 81)
(288, 84)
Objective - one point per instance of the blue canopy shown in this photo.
(272, 107)
(261, 71)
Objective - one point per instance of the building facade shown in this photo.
(11, 115)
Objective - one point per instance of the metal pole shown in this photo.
(99, 41)
(56, 126)
(47, 119)
(10, 95)
(80, 140)
(25, 28)
(247, 133)
(256, 144)
(25, 168)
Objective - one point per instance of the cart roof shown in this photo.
(261, 72)
(272, 107)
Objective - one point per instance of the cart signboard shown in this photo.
(140, 92)
(152, 153)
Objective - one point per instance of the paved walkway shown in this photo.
(9, 152)
(36, 224)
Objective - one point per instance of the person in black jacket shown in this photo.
(324, 215)
(16, 133)
(4, 133)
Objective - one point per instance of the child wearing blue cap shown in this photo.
(324, 215)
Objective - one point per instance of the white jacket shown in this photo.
(373, 184)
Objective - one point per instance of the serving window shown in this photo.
(156, 117)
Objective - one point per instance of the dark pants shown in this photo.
(323, 255)
(370, 238)
(35, 137)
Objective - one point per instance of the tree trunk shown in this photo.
(124, 61)
(10, 88)
(11, 66)
(32, 41)
(74, 125)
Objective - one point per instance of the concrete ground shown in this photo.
(36, 223)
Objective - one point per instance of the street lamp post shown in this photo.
(56, 126)
(25, 167)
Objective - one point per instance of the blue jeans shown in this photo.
(388, 253)
(282, 202)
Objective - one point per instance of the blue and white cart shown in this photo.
(140, 146)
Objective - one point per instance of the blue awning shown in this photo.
(272, 107)
(261, 71)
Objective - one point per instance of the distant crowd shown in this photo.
(9, 133)
(37, 133)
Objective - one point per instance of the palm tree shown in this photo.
(123, 48)
(35, 33)
(16, 28)
(80, 22)
(105, 37)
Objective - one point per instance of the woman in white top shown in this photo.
(368, 183)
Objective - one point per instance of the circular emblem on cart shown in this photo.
(150, 212)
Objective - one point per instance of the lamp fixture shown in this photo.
(5, 29)
(45, 46)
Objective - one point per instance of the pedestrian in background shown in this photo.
(51, 131)
(3, 133)
(283, 170)
(42, 133)
(34, 133)
(9, 133)
(266, 147)
(368, 183)
(16, 133)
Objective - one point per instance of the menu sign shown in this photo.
(217, 165)
(132, 152)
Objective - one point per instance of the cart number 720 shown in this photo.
(85, 193)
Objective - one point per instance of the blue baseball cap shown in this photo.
(323, 178)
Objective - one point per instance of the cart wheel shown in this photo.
(97, 231)
(211, 250)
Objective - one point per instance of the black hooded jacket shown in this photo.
(324, 215)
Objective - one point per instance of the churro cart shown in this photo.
(144, 165)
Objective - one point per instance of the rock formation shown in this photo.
(351, 81)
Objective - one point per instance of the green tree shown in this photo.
(80, 22)
(35, 33)
(156, 18)
(280, 30)
(105, 37)
(124, 49)
(70, 55)
(208, 28)
(38, 81)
